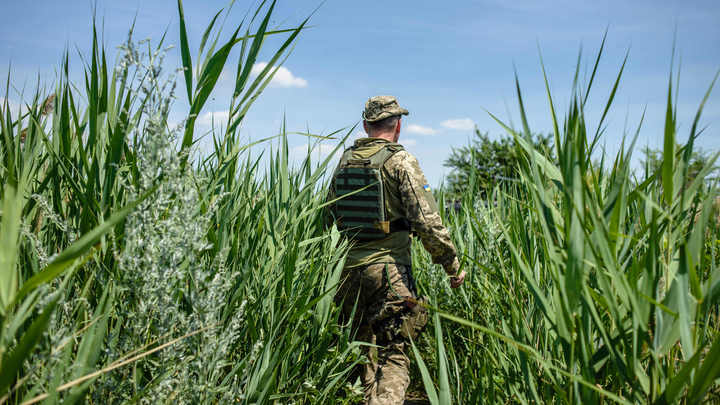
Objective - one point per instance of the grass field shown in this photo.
(135, 268)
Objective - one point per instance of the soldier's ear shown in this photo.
(397, 129)
(365, 127)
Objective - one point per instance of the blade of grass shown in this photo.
(185, 51)
(79, 248)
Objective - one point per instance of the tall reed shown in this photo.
(137, 269)
(134, 269)
(591, 283)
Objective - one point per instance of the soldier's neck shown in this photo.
(388, 136)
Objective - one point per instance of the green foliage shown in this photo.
(586, 285)
(131, 276)
(489, 162)
(134, 269)
(699, 159)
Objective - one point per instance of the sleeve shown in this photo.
(422, 211)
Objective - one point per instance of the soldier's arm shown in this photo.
(422, 211)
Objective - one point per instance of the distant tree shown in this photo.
(492, 161)
(653, 158)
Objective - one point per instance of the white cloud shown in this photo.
(420, 130)
(16, 110)
(13, 105)
(283, 77)
(225, 75)
(408, 142)
(459, 124)
(318, 152)
(353, 137)
(211, 118)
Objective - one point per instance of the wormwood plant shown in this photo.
(169, 276)
(163, 277)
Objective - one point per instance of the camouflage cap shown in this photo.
(381, 107)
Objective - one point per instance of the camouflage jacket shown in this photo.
(407, 195)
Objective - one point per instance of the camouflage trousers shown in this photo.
(383, 317)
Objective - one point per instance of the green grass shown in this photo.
(134, 269)
(590, 284)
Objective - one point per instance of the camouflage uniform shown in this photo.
(377, 279)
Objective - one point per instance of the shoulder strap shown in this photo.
(363, 212)
(379, 159)
(346, 156)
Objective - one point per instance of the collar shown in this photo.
(367, 141)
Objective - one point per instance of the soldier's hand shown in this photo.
(456, 281)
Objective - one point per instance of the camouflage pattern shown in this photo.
(377, 279)
(381, 295)
(407, 195)
(380, 107)
(421, 210)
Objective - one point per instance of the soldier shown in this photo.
(385, 195)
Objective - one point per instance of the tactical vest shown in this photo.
(361, 211)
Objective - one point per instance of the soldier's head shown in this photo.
(382, 117)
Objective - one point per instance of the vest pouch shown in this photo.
(361, 210)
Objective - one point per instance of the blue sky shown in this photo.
(447, 62)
